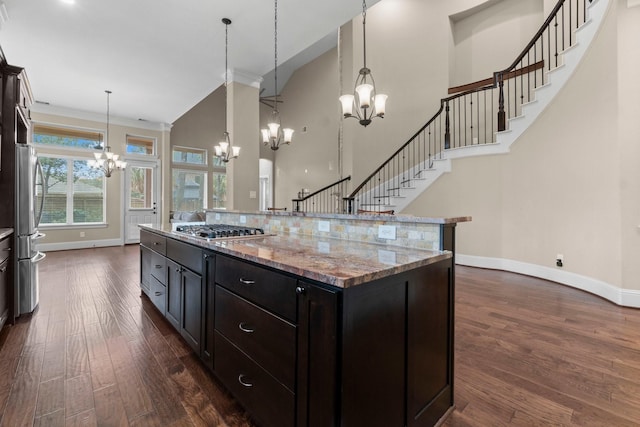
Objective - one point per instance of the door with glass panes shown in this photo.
(142, 195)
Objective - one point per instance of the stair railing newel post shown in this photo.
(447, 127)
(502, 121)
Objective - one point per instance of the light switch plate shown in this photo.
(324, 226)
(243, 219)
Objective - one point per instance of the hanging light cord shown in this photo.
(106, 143)
(275, 56)
(226, 68)
(364, 31)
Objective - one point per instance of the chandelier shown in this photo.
(367, 103)
(106, 161)
(273, 135)
(225, 151)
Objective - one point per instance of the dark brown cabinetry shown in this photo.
(171, 278)
(15, 100)
(5, 279)
(295, 352)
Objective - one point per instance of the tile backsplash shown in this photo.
(418, 234)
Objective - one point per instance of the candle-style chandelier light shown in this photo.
(273, 135)
(225, 151)
(367, 103)
(107, 161)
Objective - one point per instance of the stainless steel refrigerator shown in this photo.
(28, 214)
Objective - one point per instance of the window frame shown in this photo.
(71, 129)
(205, 172)
(69, 223)
(154, 141)
(181, 165)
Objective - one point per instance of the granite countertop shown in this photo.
(5, 232)
(341, 263)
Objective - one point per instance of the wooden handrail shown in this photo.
(322, 189)
(486, 82)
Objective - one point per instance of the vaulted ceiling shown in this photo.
(158, 57)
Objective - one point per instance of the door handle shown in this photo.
(247, 281)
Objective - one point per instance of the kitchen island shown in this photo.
(312, 331)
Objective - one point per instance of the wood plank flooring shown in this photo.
(528, 352)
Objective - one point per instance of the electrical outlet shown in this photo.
(387, 232)
(82, 234)
(217, 217)
(559, 260)
(243, 219)
(324, 226)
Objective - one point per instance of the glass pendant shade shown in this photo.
(364, 95)
(287, 135)
(380, 102)
(347, 105)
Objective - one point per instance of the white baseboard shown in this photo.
(619, 296)
(44, 247)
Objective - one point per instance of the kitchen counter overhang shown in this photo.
(337, 262)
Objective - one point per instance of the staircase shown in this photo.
(487, 117)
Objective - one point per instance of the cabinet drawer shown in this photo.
(268, 289)
(158, 267)
(5, 249)
(262, 396)
(158, 295)
(185, 254)
(154, 241)
(267, 339)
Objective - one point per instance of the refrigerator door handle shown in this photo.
(39, 257)
(35, 183)
(39, 235)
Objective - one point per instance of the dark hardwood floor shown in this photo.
(528, 352)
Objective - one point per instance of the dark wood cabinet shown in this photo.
(191, 308)
(208, 308)
(174, 285)
(296, 352)
(318, 337)
(6, 279)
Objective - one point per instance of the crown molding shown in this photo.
(98, 117)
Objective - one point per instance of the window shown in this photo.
(140, 187)
(189, 190)
(73, 192)
(141, 145)
(188, 155)
(67, 137)
(219, 192)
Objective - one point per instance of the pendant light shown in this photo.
(367, 103)
(225, 151)
(106, 161)
(274, 135)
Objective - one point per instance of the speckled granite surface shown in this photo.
(4, 232)
(337, 262)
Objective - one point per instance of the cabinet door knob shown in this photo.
(242, 381)
(178, 270)
(300, 290)
(3, 269)
(247, 281)
(244, 328)
(156, 243)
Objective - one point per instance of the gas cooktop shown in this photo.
(219, 231)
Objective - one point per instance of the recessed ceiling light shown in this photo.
(68, 1)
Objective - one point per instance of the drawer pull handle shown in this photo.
(247, 281)
(158, 266)
(158, 293)
(7, 249)
(244, 328)
(243, 382)
(3, 269)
